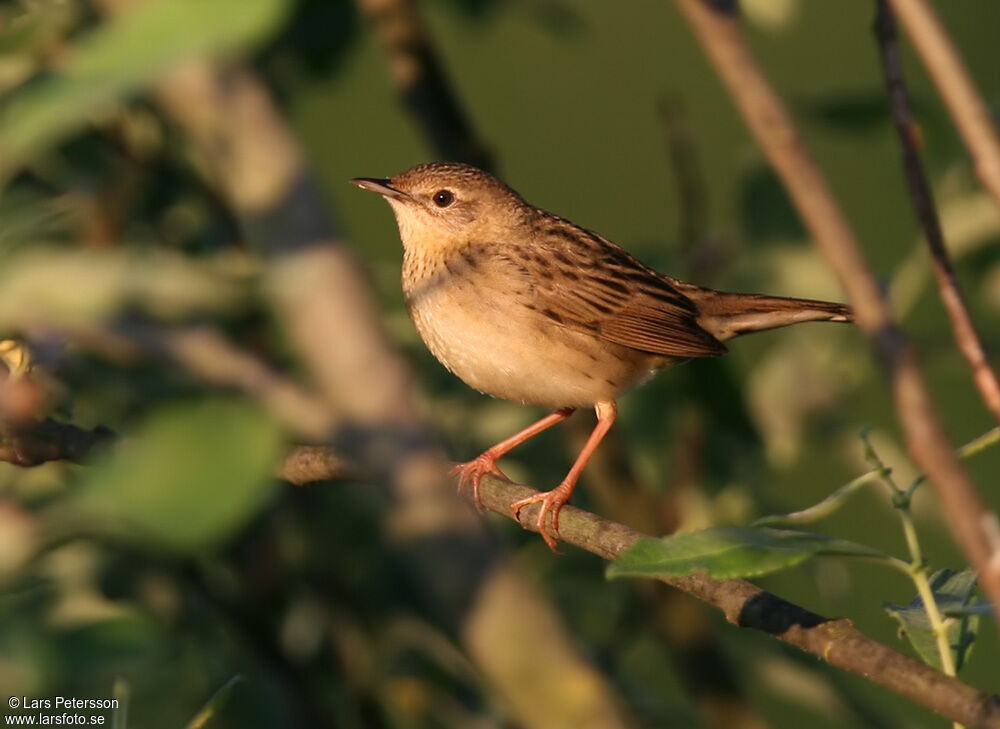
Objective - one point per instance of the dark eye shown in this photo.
(443, 198)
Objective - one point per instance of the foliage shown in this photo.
(160, 569)
(726, 552)
(952, 591)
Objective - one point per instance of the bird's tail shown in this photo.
(727, 315)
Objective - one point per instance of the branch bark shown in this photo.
(974, 528)
(966, 337)
(836, 641)
(744, 604)
(51, 440)
(970, 113)
(422, 84)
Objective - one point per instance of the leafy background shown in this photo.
(175, 563)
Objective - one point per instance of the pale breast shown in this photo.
(475, 315)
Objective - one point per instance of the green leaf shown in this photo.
(49, 285)
(980, 608)
(121, 56)
(726, 552)
(190, 477)
(953, 592)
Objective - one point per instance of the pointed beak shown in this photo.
(381, 186)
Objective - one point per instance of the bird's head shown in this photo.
(444, 205)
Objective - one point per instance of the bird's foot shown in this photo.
(552, 502)
(473, 472)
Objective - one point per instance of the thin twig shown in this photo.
(836, 641)
(966, 336)
(835, 500)
(971, 115)
(974, 528)
(917, 568)
(51, 440)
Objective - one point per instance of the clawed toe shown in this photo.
(552, 503)
(473, 472)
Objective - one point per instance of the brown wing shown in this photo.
(597, 287)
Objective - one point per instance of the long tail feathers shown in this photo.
(729, 315)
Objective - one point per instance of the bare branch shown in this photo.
(308, 464)
(51, 440)
(836, 641)
(971, 115)
(744, 604)
(973, 527)
(422, 83)
(923, 200)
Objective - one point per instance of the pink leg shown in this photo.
(552, 501)
(473, 471)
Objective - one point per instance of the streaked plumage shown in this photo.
(527, 306)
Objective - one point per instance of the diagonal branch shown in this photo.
(836, 641)
(923, 200)
(422, 82)
(51, 440)
(974, 528)
(971, 115)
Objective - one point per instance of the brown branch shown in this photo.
(836, 641)
(307, 464)
(51, 440)
(744, 604)
(422, 83)
(966, 337)
(974, 528)
(971, 115)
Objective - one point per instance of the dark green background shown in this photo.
(567, 96)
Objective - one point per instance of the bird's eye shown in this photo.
(444, 198)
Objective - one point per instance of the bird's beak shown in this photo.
(381, 186)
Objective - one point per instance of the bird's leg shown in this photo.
(552, 501)
(473, 471)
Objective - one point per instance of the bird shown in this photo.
(527, 306)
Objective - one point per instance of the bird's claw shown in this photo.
(473, 472)
(552, 502)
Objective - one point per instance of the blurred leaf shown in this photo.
(862, 110)
(851, 111)
(726, 552)
(27, 32)
(53, 285)
(970, 222)
(215, 704)
(121, 56)
(771, 15)
(317, 37)
(27, 28)
(765, 210)
(26, 217)
(116, 639)
(953, 590)
(191, 476)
